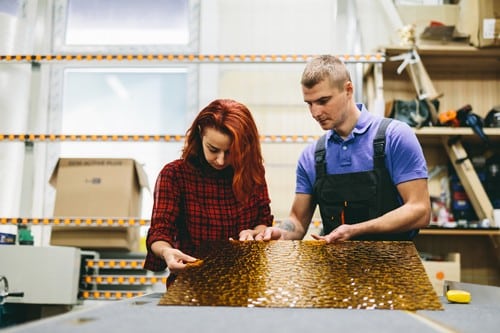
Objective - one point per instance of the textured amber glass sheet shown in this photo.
(306, 274)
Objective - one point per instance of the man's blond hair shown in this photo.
(324, 67)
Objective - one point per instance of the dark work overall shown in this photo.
(359, 196)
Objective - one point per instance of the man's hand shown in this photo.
(341, 233)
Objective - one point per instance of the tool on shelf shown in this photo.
(421, 80)
(418, 74)
(463, 117)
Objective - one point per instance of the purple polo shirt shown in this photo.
(403, 153)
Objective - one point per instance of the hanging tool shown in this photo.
(420, 78)
(418, 74)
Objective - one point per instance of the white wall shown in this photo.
(14, 102)
(272, 91)
(19, 113)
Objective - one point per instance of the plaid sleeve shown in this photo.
(164, 214)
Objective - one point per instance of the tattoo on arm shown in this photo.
(287, 225)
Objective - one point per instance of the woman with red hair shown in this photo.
(215, 191)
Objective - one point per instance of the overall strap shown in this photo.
(319, 157)
(378, 149)
(379, 144)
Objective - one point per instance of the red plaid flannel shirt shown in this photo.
(196, 204)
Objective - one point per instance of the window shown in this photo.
(127, 100)
(145, 26)
(9, 7)
(132, 22)
(122, 97)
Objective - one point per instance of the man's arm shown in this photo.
(296, 225)
(413, 214)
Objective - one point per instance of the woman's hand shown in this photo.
(271, 233)
(176, 260)
(251, 234)
(246, 235)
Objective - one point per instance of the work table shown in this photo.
(144, 314)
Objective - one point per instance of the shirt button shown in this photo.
(344, 147)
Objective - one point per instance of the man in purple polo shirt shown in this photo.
(367, 174)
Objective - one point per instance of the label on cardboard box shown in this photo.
(489, 28)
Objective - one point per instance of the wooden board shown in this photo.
(469, 180)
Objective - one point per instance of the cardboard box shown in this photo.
(439, 271)
(480, 19)
(97, 187)
(97, 238)
(421, 17)
(496, 218)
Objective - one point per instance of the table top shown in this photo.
(144, 314)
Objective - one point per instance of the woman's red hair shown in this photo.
(234, 119)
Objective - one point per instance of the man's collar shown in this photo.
(364, 121)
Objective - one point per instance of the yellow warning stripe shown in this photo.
(89, 137)
(90, 221)
(110, 295)
(114, 263)
(75, 221)
(184, 58)
(135, 137)
(124, 279)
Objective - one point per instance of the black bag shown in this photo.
(416, 113)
